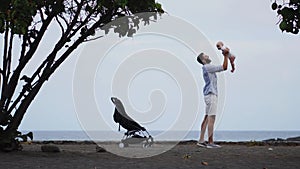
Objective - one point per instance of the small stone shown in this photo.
(270, 149)
(100, 149)
(186, 156)
(27, 142)
(50, 148)
(204, 163)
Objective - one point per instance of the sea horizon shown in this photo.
(219, 135)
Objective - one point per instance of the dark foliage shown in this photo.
(289, 15)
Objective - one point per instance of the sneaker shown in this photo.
(203, 144)
(213, 146)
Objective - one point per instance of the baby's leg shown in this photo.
(231, 59)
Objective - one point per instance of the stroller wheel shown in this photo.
(150, 141)
(145, 145)
(122, 145)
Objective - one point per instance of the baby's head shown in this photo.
(219, 45)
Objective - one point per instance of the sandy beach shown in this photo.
(83, 155)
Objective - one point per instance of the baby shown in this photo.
(226, 50)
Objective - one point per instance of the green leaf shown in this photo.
(88, 8)
(159, 7)
(294, 2)
(4, 5)
(287, 13)
(274, 6)
(122, 3)
(283, 26)
(1, 26)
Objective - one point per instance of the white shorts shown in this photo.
(211, 102)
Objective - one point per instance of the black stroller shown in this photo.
(136, 134)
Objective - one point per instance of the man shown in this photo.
(210, 92)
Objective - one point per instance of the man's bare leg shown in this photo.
(211, 122)
(203, 129)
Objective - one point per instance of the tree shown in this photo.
(289, 15)
(28, 20)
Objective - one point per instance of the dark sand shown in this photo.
(83, 155)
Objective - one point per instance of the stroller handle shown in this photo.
(113, 99)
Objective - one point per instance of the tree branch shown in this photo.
(104, 19)
(4, 75)
(60, 25)
(20, 112)
(74, 20)
(9, 55)
(13, 82)
(64, 19)
(41, 14)
(83, 23)
(24, 43)
(15, 103)
(25, 88)
(93, 39)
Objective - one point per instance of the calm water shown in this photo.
(169, 136)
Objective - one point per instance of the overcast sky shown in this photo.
(262, 94)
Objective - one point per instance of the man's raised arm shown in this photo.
(225, 62)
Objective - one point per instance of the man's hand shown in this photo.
(225, 62)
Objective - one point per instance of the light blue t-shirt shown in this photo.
(210, 78)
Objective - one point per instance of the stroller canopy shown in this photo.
(121, 117)
(119, 106)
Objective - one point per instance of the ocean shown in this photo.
(233, 136)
